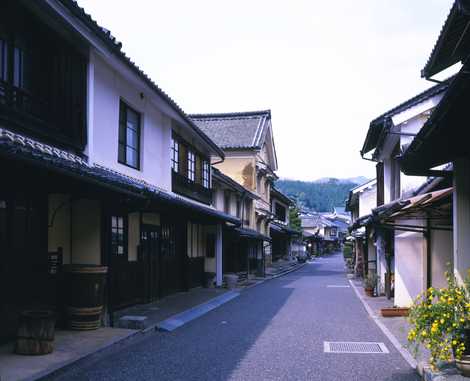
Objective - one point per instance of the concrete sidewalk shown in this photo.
(70, 346)
(147, 316)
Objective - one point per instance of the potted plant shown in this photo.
(439, 320)
(369, 284)
(350, 268)
(231, 280)
(394, 311)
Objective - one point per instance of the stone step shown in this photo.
(133, 322)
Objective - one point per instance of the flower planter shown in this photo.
(464, 365)
(231, 280)
(394, 311)
(369, 291)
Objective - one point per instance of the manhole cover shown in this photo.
(354, 347)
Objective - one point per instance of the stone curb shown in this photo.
(69, 363)
(393, 340)
(182, 318)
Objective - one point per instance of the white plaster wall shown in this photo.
(387, 180)
(381, 265)
(371, 253)
(410, 275)
(59, 232)
(210, 264)
(133, 221)
(461, 218)
(86, 232)
(109, 88)
(218, 198)
(441, 256)
(410, 183)
(367, 201)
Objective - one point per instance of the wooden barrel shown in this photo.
(35, 333)
(84, 298)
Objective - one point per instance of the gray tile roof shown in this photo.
(235, 130)
(379, 124)
(25, 149)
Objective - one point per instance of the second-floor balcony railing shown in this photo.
(16, 100)
(33, 114)
(182, 185)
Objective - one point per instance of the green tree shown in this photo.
(294, 219)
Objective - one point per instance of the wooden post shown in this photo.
(218, 255)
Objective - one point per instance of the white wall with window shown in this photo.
(127, 130)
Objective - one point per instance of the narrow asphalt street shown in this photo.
(274, 331)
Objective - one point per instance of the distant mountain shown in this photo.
(321, 195)
(358, 180)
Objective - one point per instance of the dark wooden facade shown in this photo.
(42, 80)
(196, 188)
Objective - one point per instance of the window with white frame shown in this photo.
(118, 236)
(175, 149)
(191, 165)
(206, 174)
(129, 136)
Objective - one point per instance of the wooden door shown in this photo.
(171, 259)
(150, 241)
(23, 258)
(127, 282)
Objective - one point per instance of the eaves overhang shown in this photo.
(25, 150)
(443, 137)
(453, 43)
(380, 126)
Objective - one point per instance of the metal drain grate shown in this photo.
(354, 347)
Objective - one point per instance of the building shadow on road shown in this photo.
(211, 347)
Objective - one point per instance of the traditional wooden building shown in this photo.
(100, 166)
(361, 200)
(250, 159)
(238, 242)
(441, 147)
(282, 235)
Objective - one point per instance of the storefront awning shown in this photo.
(361, 222)
(431, 210)
(253, 234)
(283, 229)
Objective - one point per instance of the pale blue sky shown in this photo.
(325, 69)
